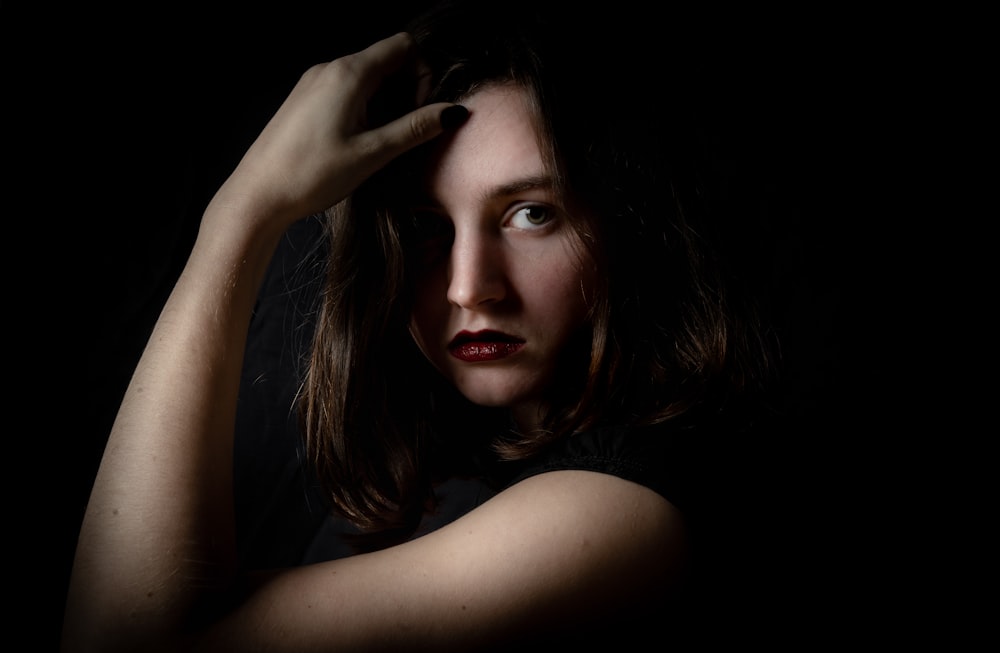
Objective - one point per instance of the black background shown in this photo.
(133, 117)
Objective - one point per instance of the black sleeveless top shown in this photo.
(693, 467)
(657, 457)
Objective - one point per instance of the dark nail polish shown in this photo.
(454, 116)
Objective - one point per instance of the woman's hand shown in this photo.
(319, 146)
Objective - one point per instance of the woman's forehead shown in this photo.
(496, 147)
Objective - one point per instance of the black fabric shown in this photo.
(653, 456)
(657, 457)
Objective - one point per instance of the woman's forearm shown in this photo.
(158, 535)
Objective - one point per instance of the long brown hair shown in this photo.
(667, 339)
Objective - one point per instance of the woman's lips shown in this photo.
(483, 346)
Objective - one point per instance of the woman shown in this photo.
(516, 293)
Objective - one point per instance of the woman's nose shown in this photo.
(476, 270)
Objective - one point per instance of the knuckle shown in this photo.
(334, 71)
(369, 145)
(343, 67)
(420, 124)
(312, 72)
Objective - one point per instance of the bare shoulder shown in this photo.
(552, 553)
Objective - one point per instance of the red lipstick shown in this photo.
(483, 346)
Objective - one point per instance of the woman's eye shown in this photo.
(529, 217)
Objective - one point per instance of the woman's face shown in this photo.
(502, 287)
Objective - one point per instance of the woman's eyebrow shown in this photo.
(533, 182)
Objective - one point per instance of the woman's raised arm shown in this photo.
(156, 550)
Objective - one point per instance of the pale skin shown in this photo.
(506, 259)
(158, 536)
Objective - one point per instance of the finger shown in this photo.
(412, 129)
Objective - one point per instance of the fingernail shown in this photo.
(454, 116)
